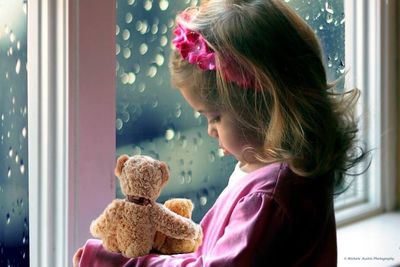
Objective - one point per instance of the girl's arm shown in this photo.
(254, 225)
(174, 225)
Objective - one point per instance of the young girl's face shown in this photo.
(221, 125)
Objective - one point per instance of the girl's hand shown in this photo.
(77, 257)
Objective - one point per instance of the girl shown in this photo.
(254, 68)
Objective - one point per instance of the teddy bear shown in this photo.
(169, 245)
(128, 226)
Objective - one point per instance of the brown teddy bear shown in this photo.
(129, 226)
(169, 245)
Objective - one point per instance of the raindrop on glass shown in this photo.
(328, 8)
(147, 5)
(128, 17)
(152, 71)
(127, 52)
(159, 59)
(119, 124)
(131, 77)
(126, 34)
(169, 134)
(163, 4)
(203, 200)
(212, 156)
(163, 40)
(143, 48)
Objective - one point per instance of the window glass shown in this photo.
(14, 232)
(153, 119)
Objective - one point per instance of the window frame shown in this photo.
(71, 123)
(71, 134)
(370, 52)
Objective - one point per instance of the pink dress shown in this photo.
(270, 217)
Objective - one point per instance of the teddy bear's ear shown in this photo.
(165, 172)
(120, 164)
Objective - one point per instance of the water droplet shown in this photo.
(154, 102)
(203, 200)
(127, 52)
(169, 134)
(144, 28)
(321, 27)
(131, 2)
(212, 156)
(328, 8)
(147, 5)
(189, 177)
(154, 29)
(163, 29)
(163, 40)
(220, 152)
(126, 34)
(18, 66)
(163, 4)
(24, 132)
(329, 18)
(178, 112)
(117, 49)
(8, 218)
(10, 152)
(124, 78)
(152, 71)
(23, 239)
(22, 168)
(159, 59)
(141, 87)
(16, 158)
(119, 124)
(307, 17)
(131, 77)
(12, 37)
(128, 17)
(117, 30)
(9, 172)
(136, 68)
(143, 48)
(125, 116)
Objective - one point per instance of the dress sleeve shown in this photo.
(254, 228)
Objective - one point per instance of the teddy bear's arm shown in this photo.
(174, 225)
(99, 226)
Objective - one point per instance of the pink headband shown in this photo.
(193, 48)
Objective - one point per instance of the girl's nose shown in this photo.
(212, 131)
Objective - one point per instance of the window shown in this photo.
(71, 107)
(14, 202)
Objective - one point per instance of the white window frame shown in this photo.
(370, 53)
(71, 116)
(71, 123)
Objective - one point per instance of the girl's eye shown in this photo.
(215, 119)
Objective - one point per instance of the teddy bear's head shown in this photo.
(141, 176)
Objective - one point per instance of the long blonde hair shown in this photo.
(294, 114)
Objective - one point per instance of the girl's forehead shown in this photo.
(194, 99)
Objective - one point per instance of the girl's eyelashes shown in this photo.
(215, 119)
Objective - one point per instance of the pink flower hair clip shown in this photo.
(193, 48)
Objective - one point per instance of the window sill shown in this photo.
(371, 242)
